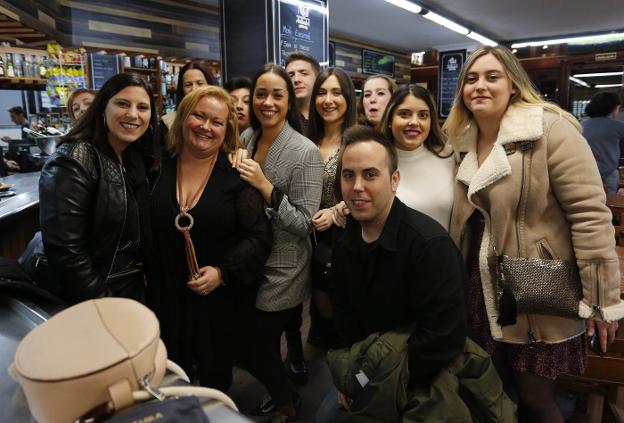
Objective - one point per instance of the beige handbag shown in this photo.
(100, 355)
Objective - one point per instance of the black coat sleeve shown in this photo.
(66, 191)
(440, 304)
(243, 263)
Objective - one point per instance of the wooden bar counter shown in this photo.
(19, 214)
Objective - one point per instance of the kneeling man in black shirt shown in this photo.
(393, 267)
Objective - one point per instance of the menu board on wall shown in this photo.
(375, 62)
(451, 63)
(301, 25)
(103, 66)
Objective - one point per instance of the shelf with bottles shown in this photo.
(150, 69)
(21, 64)
(66, 72)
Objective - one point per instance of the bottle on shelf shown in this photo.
(35, 66)
(26, 67)
(9, 66)
(42, 68)
(17, 66)
(1, 66)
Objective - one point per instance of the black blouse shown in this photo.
(231, 231)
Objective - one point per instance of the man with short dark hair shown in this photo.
(18, 117)
(393, 267)
(303, 70)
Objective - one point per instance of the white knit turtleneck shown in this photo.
(427, 183)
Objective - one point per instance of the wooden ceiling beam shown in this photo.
(15, 30)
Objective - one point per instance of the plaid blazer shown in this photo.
(294, 165)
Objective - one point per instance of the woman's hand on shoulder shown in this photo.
(251, 172)
(236, 157)
(340, 212)
(323, 219)
(209, 280)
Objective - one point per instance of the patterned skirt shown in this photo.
(545, 360)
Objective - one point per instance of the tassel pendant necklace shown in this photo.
(186, 204)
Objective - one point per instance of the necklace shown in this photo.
(185, 206)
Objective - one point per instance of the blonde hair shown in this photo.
(525, 92)
(175, 138)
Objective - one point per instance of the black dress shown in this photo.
(205, 334)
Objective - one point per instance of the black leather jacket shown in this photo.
(82, 200)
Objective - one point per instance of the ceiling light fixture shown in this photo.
(480, 38)
(407, 5)
(441, 20)
(579, 82)
(586, 39)
(447, 23)
(608, 85)
(595, 75)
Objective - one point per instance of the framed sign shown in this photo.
(375, 62)
(301, 25)
(103, 66)
(450, 65)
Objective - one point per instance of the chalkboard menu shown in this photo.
(451, 63)
(301, 25)
(103, 66)
(374, 62)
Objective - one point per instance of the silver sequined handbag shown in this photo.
(541, 286)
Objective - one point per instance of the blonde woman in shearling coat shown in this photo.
(527, 184)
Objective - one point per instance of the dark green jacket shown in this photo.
(468, 390)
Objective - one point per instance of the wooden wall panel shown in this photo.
(180, 28)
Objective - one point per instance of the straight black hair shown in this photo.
(602, 104)
(237, 83)
(293, 116)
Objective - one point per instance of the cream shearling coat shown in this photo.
(556, 209)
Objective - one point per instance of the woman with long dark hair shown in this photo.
(93, 194)
(332, 111)
(287, 169)
(425, 160)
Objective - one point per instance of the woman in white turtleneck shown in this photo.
(425, 162)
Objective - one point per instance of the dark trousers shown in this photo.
(296, 320)
(267, 364)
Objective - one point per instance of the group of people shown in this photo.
(224, 215)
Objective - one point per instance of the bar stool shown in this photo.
(603, 382)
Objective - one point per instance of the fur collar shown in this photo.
(520, 123)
